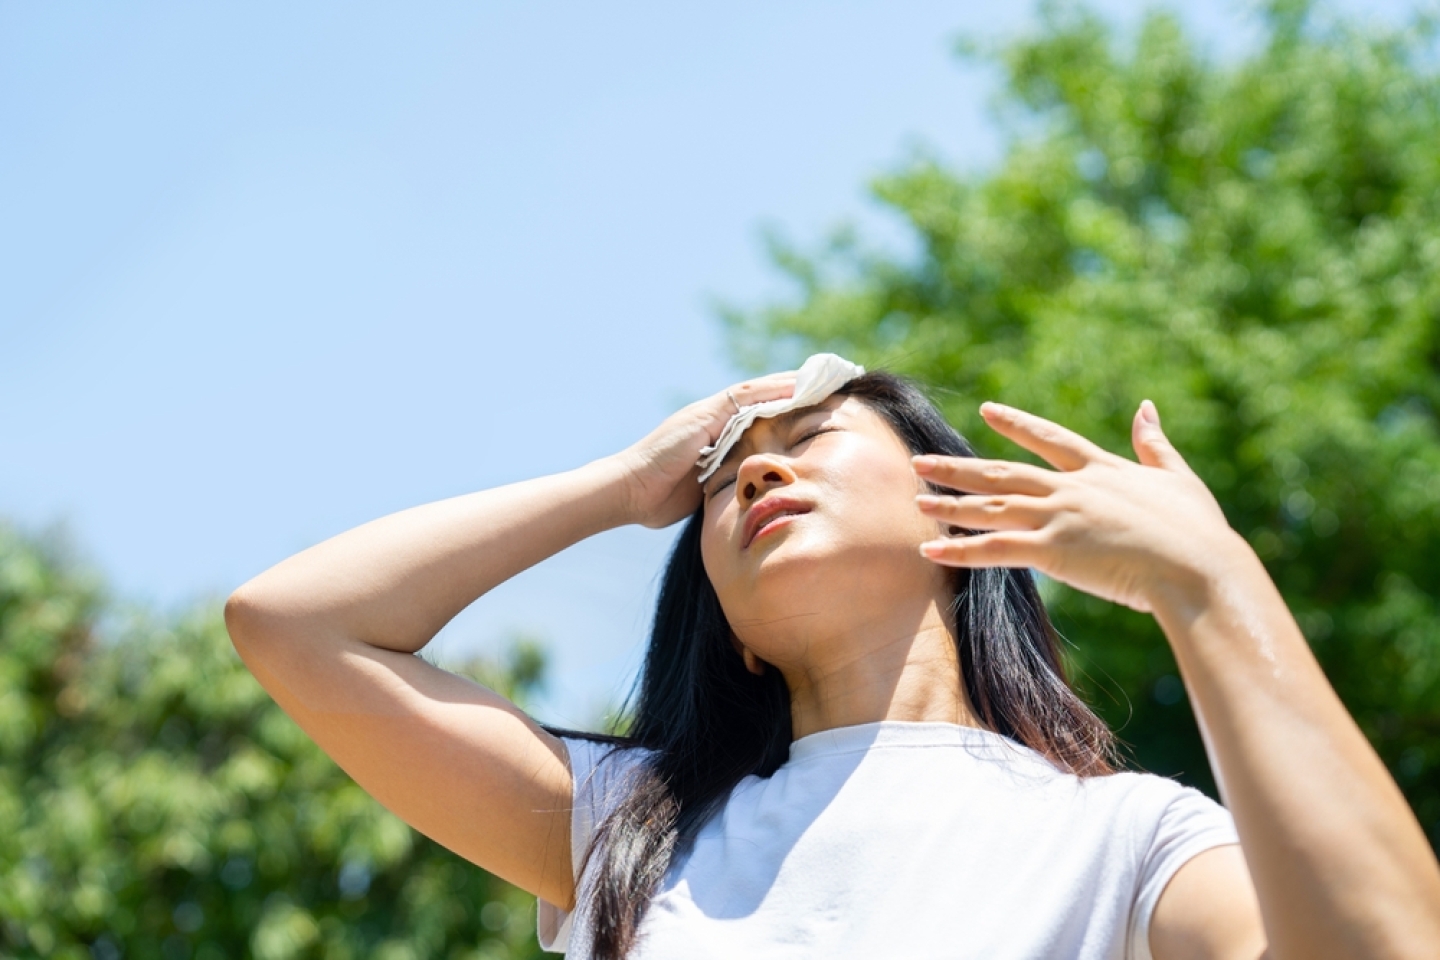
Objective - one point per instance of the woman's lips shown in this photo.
(769, 513)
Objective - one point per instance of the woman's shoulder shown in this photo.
(1152, 789)
(602, 766)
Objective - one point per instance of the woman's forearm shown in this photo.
(1341, 866)
(394, 582)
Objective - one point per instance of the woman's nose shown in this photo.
(760, 474)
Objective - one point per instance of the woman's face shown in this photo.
(811, 524)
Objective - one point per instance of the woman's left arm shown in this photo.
(1339, 864)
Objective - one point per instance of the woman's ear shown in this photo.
(752, 663)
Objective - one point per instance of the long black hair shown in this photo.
(709, 722)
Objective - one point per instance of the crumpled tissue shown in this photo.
(818, 377)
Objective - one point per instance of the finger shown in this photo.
(973, 475)
(775, 386)
(986, 513)
(1152, 447)
(1006, 549)
(1061, 448)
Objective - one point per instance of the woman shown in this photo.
(852, 735)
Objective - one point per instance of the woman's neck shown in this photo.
(883, 672)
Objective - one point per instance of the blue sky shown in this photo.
(270, 270)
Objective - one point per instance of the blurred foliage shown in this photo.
(156, 803)
(1254, 244)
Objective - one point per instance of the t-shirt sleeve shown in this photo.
(1190, 824)
(601, 774)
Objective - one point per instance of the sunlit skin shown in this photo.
(838, 598)
(847, 602)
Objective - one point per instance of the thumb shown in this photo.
(1151, 445)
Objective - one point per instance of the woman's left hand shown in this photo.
(1133, 533)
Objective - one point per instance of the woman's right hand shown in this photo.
(660, 471)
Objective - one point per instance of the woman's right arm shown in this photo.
(330, 634)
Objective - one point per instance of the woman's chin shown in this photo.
(787, 543)
(793, 561)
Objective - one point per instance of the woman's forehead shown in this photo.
(839, 406)
(832, 405)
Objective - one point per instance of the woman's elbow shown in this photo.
(267, 619)
(248, 619)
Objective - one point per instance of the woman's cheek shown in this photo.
(876, 491)
(725, 563)
(710, 554)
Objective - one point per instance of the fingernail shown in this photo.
(990, 406)
(932, 549)
(923, 464)
(926, 500)
(1148, 413)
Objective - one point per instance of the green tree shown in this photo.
(1253, 244)
(157, 803)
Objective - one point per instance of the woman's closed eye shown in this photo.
(809, 435)
(719, 485)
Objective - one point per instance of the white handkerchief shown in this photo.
(818, 377)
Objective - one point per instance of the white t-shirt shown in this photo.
(911, 840)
